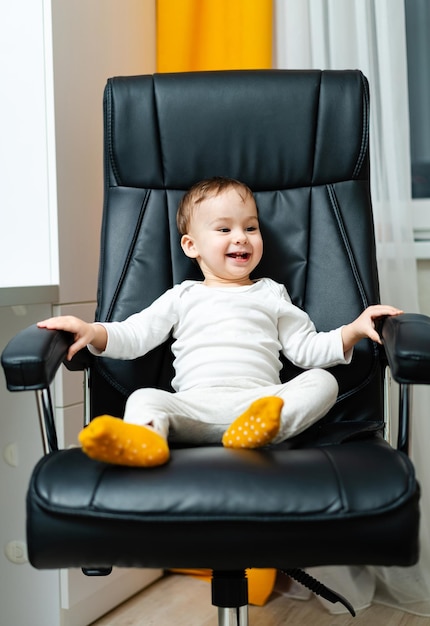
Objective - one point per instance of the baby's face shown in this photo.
(224, 236)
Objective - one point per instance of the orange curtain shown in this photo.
(213, 35)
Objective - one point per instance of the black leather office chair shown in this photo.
(336, 494)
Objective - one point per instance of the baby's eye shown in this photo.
(251, 229)
(224, 230)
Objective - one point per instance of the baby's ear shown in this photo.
(188, 246)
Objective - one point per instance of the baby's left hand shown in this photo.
(364, 325)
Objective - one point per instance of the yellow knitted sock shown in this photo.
(111, 440)
(257, 426)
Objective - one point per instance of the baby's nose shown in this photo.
(241, 237)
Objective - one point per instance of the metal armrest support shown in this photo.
(406, 341)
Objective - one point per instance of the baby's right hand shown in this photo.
(83, 332)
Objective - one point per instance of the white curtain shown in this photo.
(370, 35)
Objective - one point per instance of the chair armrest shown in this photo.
(32, 358)
(406, 341)
(82, 360)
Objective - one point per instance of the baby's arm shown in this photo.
(364, 325)
(84, 333)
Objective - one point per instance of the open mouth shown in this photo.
(239, 255)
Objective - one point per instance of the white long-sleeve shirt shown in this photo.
(228, 333)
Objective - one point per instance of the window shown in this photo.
(417, 15)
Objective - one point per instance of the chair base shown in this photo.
(230, 595)
(237, 616)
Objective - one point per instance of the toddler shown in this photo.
(229, 331)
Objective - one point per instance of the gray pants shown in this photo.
(200, 416)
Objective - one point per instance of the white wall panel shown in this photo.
(28, 231)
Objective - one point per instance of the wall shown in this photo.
(88, 42)
(91, 42)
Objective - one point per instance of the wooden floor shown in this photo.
(177, 600)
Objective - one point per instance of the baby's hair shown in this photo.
(201, 191)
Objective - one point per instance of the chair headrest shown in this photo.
(283, 128)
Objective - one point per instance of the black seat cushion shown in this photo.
(218, 508)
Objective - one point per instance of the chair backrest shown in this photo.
(299, 139)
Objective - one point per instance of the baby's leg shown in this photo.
(139, 440)
(303, 401)
(257, 426)
(307, 398)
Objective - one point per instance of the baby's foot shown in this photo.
(111, 440)
(257, 426)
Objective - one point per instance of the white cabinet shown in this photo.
(29, 596)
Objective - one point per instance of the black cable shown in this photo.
(316, 587)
